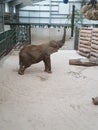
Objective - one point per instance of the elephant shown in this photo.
(31, 54)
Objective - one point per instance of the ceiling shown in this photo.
(30, 2)
(25, 2)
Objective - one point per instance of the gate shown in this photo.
(23, 34)
(18, 35)
(7, 42)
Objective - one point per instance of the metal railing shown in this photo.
(7, 42)
(17, 36)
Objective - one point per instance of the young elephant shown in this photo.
(31, 54)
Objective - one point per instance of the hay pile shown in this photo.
(90, 12)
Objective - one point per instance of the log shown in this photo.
(84, 42)
(85, 35)
(94, 46)
(95, 42)
(94, 38)
(93, 59)
(95, 34)
(84, 54)
(86, 31)
(95, 30)
(94, 54)
(82, 62)
(84, 46)
(85, 28)
(85, 50)
(94, 50)
(85, 38)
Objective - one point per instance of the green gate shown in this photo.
(7, 42)
(23, 33)
(18, 35)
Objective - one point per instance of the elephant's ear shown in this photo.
(52, 47)
(53, 44)
(49, 50)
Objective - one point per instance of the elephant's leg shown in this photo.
(47, 63)
(22, 67)
(21, 70)
(24, 63)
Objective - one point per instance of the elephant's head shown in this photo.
(52, 47)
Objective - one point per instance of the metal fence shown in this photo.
(23, 33)
(7, 42)
(18, 35)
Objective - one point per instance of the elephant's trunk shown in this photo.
(61, 42)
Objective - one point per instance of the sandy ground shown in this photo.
(42, 101)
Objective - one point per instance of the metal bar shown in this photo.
(76, 39)
(72, 20)
(37, 10)
(44, 17)
(1, 16)
(6, 42)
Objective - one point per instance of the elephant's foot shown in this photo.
(48, 71)
(21, 73)
(21, 70)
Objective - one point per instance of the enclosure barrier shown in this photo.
(18, 35)
(7, 41)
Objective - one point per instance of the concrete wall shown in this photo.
(44, 35)
(6, 27)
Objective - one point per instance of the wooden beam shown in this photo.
(82, 62)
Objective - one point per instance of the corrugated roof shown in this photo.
(26, 2)
(37, 0)
(30, 2)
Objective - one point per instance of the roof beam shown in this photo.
(15, 2)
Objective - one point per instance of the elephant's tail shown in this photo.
(20, 60)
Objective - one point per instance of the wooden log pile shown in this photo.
(85, 37)
(90, 12)
(94, 46)
(88, 47)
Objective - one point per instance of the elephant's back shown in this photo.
(27, 49)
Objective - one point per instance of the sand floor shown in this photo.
(41, 101)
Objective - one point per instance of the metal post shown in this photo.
(17, 13)
(11, 14)
(72, 20)
(1, 15)
(50, 12)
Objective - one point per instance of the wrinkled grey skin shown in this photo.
(31, 54)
